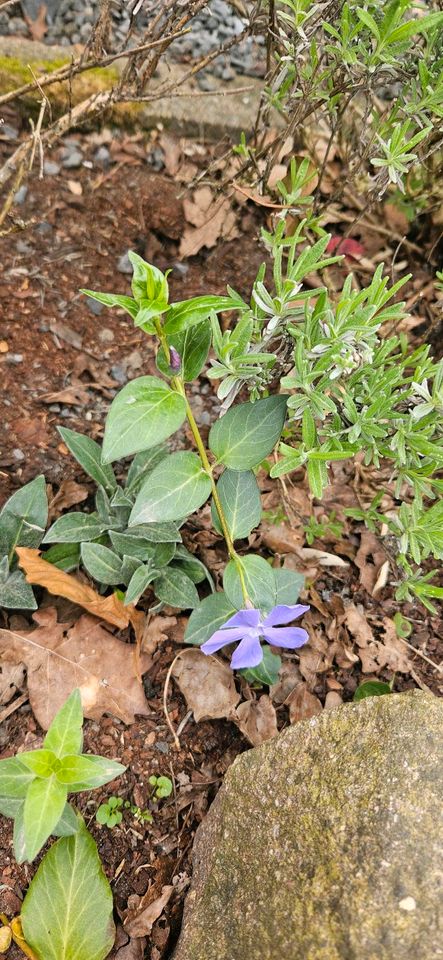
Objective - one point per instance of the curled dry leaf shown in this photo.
(207, 685)
(39, 571)
(140, 919)
(321, 557)
(369, 559)
(358, 625)
(303, 704)
(12, 679)
(69, 495)
(288, 679)
(282, 538)
(155, 631)
(257, 720)
(127, 949)
(60, 658)
(211, 219)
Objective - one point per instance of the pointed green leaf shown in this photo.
(44, 805)
(187, 313)
(287, 586)
(75, 528)
(65, 556)
(86, 773)
(265, 672)
(140, 580)
(67, 911)
(248, 432)
(65, 735)
(240, 499)
(16, 593)
(259, 581)
(24, 517)
(129, 545)
(114, 300)
(192, 345)
(176, 588)
(103, 564)
(15, 778)
(192, 566)
(208, 617)
(167, 532)
(175, 488)
(141, 466)
(145, 412)
(10, 806)
(42, 763)
(89, 455)
(68, 824)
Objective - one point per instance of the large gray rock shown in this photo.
(326, 842)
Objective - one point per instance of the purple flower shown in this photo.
(175, 360)
(249, 626)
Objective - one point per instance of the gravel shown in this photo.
(70, 21)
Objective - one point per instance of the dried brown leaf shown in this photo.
(39, 571)
(60, 658)
(69, 495)
(155, 631)
(358, 625)
(257, 720)
(282, 538)
(207, 685)
(140, 920)
(38, 27)
(303, 704)
(322, 557)
(126, 948)
(211, 223)
(12, 679)
(369, 559)
(288, 679)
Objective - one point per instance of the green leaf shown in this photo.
(103, 564)
(114, 300)
(65, 556)
(287, 586)
(192, 566)
(240, 499)
(65, 735)
(19, 837)
(371, 688)
(139, 581)
(15, 778)
(188, 313)
(176, 588)
(144, 413)
(16, 593)
(75, 528)
(42, 763)
(192, 345)
(369, 22)
(175, 488)
(266, 672)
(149, 284)
(89, 455)
(132, 546)
(157, 532)
(10, 806)
(248, 432)
(208, 617)
(44, 805)
(86, 773)
(67, 911)
(129, 566)
(259, 581)
(24, 517)
(142, 464)
(317, 477)
(68, 824)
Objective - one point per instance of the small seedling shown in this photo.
(109, 814)
(163, 787)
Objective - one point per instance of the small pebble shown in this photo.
(106, 335)
(162, 746)
(124, 264)
(15, 358)
(21, 195)
(51, 168)
(72, 160)
(18, 454)
(94, 306)
(44, 228)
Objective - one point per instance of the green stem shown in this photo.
(177, 384)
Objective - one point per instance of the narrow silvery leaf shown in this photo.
(167, 532)
(65, 734)
(145, 412)
(89, 455)
(240, 499)
(75, 528)
(247, 433)
(176, 588)
(67, 911)
(208, 617)
(24, 517)
(176, 487)
(103, 564)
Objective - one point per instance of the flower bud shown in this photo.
(175, 361)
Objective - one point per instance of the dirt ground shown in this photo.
(62, 359)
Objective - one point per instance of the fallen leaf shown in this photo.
(317, 655)
(393, 649)
(65, 333)
(358, 625)
(140, 920)
(288, 679)
(323, 558)
(172, 152)
(257, 720)
(282, 538)
(39, 571)
(77, 395)
(4, 346)
(68, 495)
(60, 658)
(207, 685)
(210, 219)
(303, 704)
(126, 948)
(369, 559)
(345, 246)
(155, 632)
(75, 187)
(12, 679)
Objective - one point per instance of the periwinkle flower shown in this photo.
(250, 626)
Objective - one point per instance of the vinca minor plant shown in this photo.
(67, 910)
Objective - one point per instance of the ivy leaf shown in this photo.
(67, 911)
(208, 617)
(240, 499)
(145, 412)
(248, 432)
(175, 488)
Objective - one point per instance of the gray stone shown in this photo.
(18, 454)
(106, 335)
(21, 195)
(50, 168)
(94, 306)
(326, 842)
(102, 156)
(124, 264)
(72, 159)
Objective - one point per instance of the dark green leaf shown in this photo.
(141, 466)
(176, 588)
(103, 564)
(75, 528)
(140, 580)
(175, 488)
(65, 556)
(259, 580)
(114, 300)
(208, 617)
(240, 499)
(188, 313)
(287, 586)
(24, 517)
(266, 672)
(133, 546)
(192, 345)
(89, 455)
(248, 432)
(371, 688)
